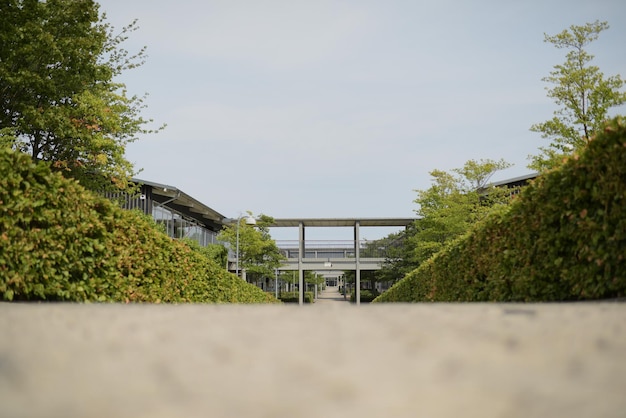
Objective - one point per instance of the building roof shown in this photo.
(515, 180)
(181, 198)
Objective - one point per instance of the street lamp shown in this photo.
(249, 221)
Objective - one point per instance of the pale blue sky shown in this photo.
(341, 108)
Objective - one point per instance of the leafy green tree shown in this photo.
(455, 201)
(289, 277)
(292, 278)
(311, 278)
(258, 253)
(59, 99)
(581, 91)
(399, 259)
(365, 276)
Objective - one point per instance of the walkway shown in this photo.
(330, 296)
(335, 360)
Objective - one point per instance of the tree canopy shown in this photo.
(60, 101)
(258, 253)
(584, 96)
(456, 200)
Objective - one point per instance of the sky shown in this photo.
(340, 109)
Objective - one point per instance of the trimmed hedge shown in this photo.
(60, 242)
(563, 239)
(216, 252)
(294, 297)
(367, 295)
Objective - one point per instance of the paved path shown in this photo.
(330, 360)
(330, 295)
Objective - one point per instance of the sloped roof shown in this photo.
(183, 199)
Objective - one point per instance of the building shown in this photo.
(181, 215)
(515, 183)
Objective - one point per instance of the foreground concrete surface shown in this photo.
(325, 360)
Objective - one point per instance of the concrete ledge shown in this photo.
(332, 360)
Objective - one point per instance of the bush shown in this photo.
(294, 297)
(216, 252)
(562, 239)
(366, 295)
(60, 242)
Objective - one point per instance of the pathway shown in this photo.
(331, 295)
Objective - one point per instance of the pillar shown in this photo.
(357, 258)
(301, 252)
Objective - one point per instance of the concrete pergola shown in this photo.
(355, 223)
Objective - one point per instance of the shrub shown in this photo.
(294, 297)
(562, 239)
(216, 252)
(60, 242)
(366, 295)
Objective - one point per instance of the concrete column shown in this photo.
(301, 252)
(357, 258)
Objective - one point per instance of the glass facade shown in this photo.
(177, 225)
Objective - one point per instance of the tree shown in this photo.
(399, 258)
(454, 202)
(365, 276)
(583, 94)
(59, 101)
(313, 278)
(258, 253)
(289, 277)
(292, 278)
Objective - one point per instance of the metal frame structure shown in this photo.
(355, 223)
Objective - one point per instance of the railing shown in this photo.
(332, 249)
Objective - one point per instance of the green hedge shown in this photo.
(562, 239)
(60, 242)
(216, 252)
(294, 297)
(366, 295)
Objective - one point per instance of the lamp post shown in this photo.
(249, 221)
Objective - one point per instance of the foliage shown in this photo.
(293, 278)
(454, 202)
(399, 256)
(365, 276)
(366, 295)
(294, 297)
(314, 279)
(60, 242)
(561, 239)
(58, 61)
(583, 94)
(7, 138)
(258, 253)
(290, 277)
(216, 252)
